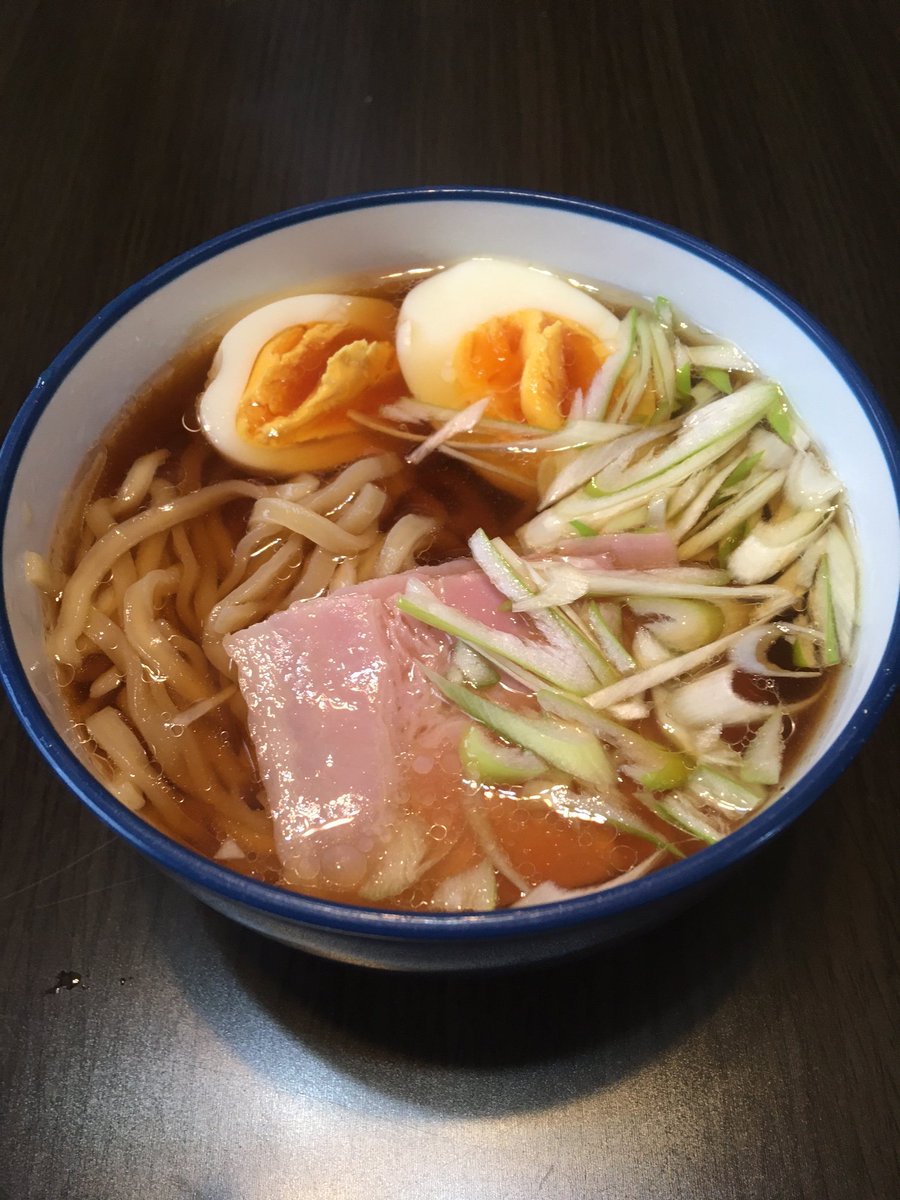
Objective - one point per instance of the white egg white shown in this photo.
(437, 314)
(239, 350)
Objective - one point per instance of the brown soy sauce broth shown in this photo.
(163, 416)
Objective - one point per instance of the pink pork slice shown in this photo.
(354, 745)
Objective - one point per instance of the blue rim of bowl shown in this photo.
(207, 875)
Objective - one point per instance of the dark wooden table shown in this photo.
(747, 1050)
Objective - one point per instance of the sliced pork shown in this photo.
(357, 751)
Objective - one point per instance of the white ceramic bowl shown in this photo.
(78, 396)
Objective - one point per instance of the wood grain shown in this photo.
(748, 1049)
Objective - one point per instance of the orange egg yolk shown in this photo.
(530, 363)
(307, 377)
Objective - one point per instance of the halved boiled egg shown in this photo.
(487, 327)
(288, 372)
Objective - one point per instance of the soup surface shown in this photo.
(451, 593)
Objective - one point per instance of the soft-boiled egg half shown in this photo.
(288, 373)
(521, 336)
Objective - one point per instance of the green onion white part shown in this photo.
(763, 757)
(473, 890)
(773, 545)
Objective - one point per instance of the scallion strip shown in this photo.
(720, 790)
(736, 513)
(486, 760)
(599, 394)
(676, 809)
(654, 766)
(504, 650)
(569, 748)
(718, 377)
(704, 436)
